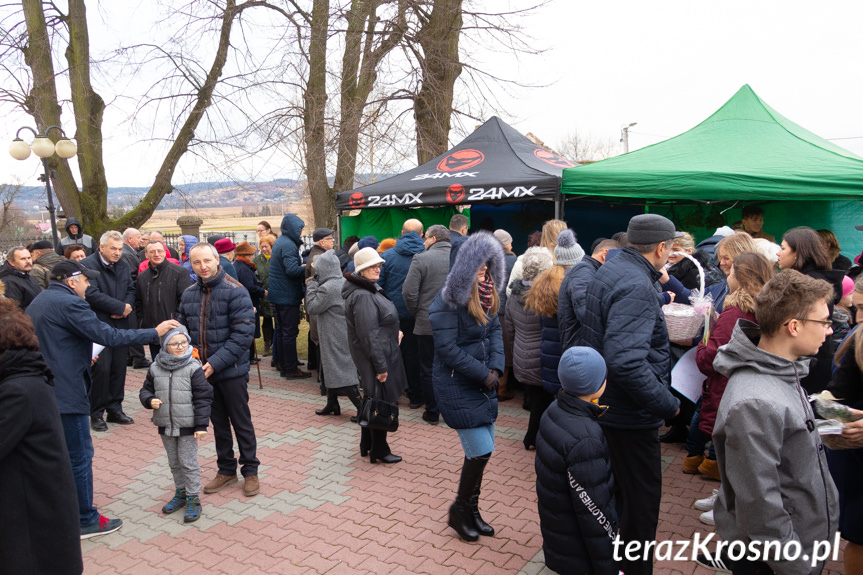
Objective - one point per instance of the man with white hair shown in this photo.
(112, 297)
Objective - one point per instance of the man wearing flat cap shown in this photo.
(624, 322)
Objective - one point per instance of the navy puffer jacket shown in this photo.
(286, 268)
(549, 355)
(221, 321)
(575, 489)
(570, 299)
(624, 322)
(395, 269)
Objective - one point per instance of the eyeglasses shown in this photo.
(181, 345)
(825, 323)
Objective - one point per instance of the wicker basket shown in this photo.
(684, 323)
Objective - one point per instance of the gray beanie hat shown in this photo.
(567, 252)
(179, 329)
(536, 261)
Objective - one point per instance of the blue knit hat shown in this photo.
(581, 371)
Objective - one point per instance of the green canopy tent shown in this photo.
(745, 151)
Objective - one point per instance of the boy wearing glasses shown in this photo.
(179, 394)
(777, 493)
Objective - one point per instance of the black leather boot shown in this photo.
(460, 513)
(353, 394)
(482, 527)
(332, 407)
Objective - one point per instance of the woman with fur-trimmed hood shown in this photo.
(468, 363)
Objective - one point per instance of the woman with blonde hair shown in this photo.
(726, 250)
(468, 363)
(550, 230)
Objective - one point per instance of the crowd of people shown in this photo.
(455, 321)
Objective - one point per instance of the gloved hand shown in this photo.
(492, 380)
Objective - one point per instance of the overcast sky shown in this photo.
(666, 65)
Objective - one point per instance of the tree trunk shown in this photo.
(440, 67)
(315, 101)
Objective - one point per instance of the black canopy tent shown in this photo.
(494, 165)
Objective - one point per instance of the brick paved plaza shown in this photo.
(323, 509)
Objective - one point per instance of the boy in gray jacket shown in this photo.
(777, 504)
(179, 394)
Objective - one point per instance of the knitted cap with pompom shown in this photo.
(567, 252)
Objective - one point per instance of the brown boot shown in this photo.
(219, 482)
(251, 486)
(690, 465)
(503, 393)
(709, 468)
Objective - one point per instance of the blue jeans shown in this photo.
(697, 440)
(76, 428)
(477, 441)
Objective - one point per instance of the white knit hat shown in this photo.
(366, 258)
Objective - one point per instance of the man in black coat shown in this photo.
(111, 296)
(15, 275)
(573, 290)
(457, 235)
(624, 322)
(158, 289)
(131, 241)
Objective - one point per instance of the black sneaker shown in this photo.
(193, 509)
(175, 503)
(716, 562)
(102, 526)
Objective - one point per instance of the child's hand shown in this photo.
(200, 434)
(155, 403)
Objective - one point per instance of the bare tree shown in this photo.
(586, 148)
(12, 219)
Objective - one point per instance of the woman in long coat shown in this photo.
(373, 337)
(468, 363)
(324, 300)
(41, 533)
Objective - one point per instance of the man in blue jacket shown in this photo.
(397, 263)
(112, 297)
(573, 289)
(66, 328)
(220, 318)
(286, 290)
(624, 322)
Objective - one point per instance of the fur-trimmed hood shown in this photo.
(480, 248)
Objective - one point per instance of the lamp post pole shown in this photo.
(624, 137)
(43, 147)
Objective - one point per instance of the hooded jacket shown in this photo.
(570, 299)
(221, 322)
(395, 269)
(188, 243)
(526, 329)
(158, 291)
(425, 278)
(465, 350)
(20, 286)
(775, 482)
(324, 300)
(79, 238)
(37, 488)
(575, 489)
(624, 322)
(286, 269)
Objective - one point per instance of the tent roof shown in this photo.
(494, 165)
(744, 151)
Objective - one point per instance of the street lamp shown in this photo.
(624, 136)
(43, 147)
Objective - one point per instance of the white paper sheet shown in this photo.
(97, 349)
(686, 378)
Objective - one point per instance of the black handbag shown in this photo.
(378, 414)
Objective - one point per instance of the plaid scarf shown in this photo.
(486, 293)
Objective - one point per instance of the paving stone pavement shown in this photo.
(323, 509)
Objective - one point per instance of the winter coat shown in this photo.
(455, 240)
(310, 260)
(714, 386)
(188, 243)
(144, 262)
(395, 269)
(286, 269)
(465, 350)
(570, 299)
(575, 489)
(624, 322)
(324, 300)
(550, 352)
(37, 490)
(262, 270)
(246, 276)
(526, 329)
(42, 268)
(224, 335)
(425, 278)
(775, 482)
(111, 291)
(842, 263)
(509, 258)
(20, 286)
(847, 381)
(228, 266)
(130, 256)
(186, 397)
(80, 238)
(67, 328)
(687, 273)
(373, 337)
(158, 293)
(820, 370)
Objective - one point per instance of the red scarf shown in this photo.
(486, 293)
